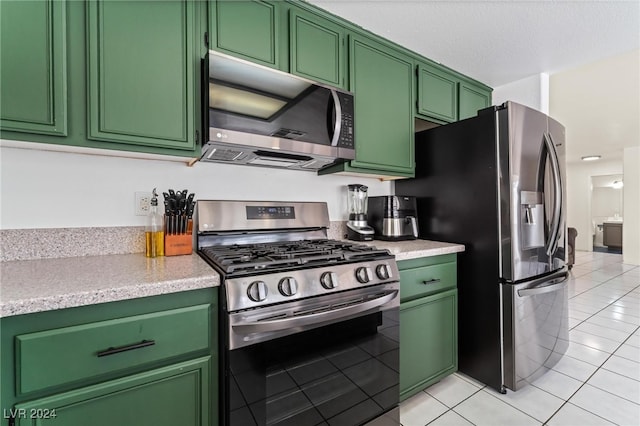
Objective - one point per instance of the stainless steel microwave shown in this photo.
(259, 116)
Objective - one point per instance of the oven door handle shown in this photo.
(314, 318)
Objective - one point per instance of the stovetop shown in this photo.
(272, 253)
(240, 259)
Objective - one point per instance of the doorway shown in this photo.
(606, 213)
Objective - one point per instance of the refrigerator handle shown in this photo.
(552, 243)
(533, 291)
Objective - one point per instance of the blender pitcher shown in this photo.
(357, 227)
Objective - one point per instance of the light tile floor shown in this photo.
(597, 382)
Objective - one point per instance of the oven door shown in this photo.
(339, 365)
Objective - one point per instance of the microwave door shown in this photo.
(334, 111)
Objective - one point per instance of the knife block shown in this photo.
(178, 244)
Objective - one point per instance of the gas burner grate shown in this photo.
(277, 255)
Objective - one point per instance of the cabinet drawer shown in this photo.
(426, 280)
(55, 357)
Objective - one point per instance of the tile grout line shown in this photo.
(602, 309)
(451, 408)
(598, 368)
(610, 355)
(588, 378)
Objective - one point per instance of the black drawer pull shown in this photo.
(113, 351)
(431, 281)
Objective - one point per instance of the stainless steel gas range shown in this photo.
(309, 327)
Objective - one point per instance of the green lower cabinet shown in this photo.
(143, 65)
(428, 341)
(33, 54)
(169, 396)
(472, 99)
(150, 361)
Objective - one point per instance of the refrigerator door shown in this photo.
(532, 199)
(535, 328)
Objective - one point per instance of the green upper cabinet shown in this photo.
(445, 96)
(33, 53)
(142, 72)
(437, 94)
(382, 82)
(472, 98)
(316, 48)
(247, 29)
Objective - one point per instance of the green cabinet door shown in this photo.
(33, 81)
(472, 99)
(437, 94)
(169, 396)
(382, 81)
(428, 341)
(316, 48)
(142, 69)
(246, 29)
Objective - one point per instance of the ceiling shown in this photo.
(499, 42)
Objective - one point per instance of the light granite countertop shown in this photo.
(413, 249)
(30, 286)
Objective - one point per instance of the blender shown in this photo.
(357, 227)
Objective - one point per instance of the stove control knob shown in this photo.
(363, 274)
(383, 271)
(329, 280)
(288, 286)
(257, 291)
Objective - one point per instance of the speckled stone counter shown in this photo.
(48, 284)
(413, 249)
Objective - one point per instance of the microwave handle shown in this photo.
(337, 127)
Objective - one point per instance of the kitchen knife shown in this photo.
(190, 199)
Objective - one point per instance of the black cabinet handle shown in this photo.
(113, 351)
(431, 281)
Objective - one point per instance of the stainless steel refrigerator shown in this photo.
(496, 183)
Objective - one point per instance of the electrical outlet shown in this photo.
(142, 203)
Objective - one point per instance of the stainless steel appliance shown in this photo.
(259, 116)
(393, 217)
(308, 326)
(495, 182)
(357, 201)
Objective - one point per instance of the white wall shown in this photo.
(631, 227)
(599, 104)
(531, 91)
(606, 202)
(44, 189)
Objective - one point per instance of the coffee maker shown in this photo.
(393, 217)
(357, 227)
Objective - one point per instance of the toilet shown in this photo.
(597, 234)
